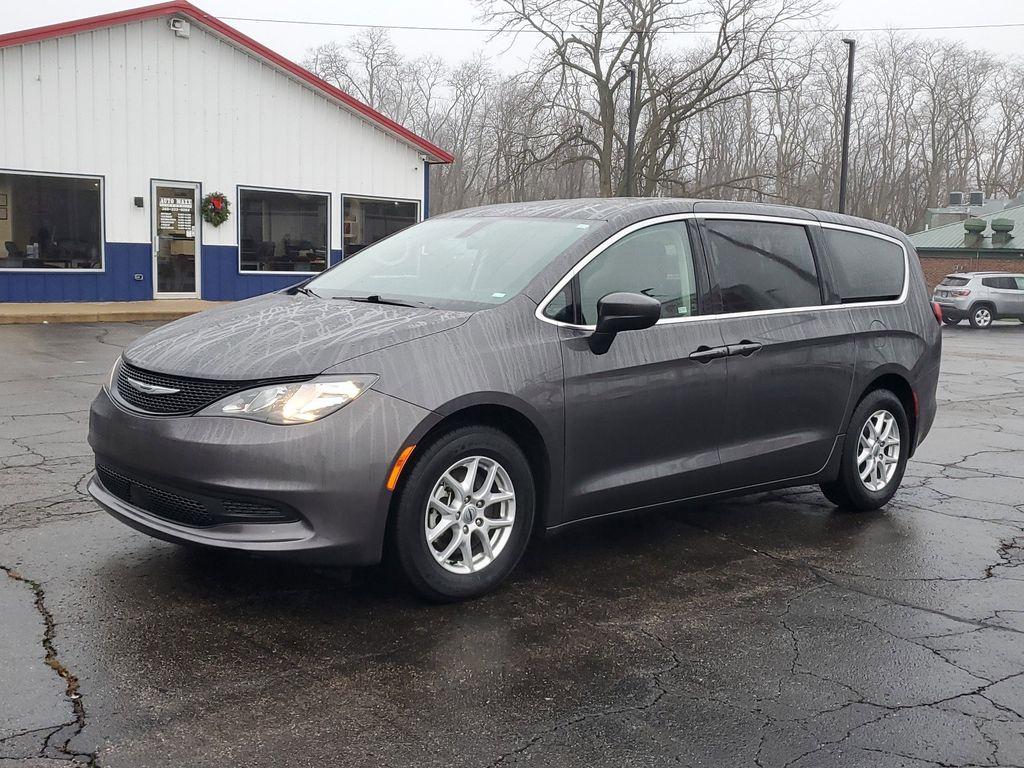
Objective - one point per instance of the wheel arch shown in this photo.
(897, 381)
(509, 415)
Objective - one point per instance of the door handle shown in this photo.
(745, 348)
(705, 354)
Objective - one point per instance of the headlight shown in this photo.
(297, 403)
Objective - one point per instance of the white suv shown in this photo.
(981, 297)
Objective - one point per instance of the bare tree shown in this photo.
(752, 113)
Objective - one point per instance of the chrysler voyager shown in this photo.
(517, 368)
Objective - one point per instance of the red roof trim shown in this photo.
(433, 152)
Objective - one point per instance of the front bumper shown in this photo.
(331, 472)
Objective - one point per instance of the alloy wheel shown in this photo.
(469, 515)
(878, 450)
(983, 317)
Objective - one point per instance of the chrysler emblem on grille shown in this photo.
(151, 389)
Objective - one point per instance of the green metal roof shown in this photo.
(951, 236)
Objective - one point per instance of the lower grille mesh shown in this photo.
(187, 508)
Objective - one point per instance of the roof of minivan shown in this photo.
(624, 210)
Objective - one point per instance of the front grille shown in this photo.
(187, 508)
(192, 394)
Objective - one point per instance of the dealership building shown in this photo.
(160, 153)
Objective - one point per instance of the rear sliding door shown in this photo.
(791, 363)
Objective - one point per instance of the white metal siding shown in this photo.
(134, 102)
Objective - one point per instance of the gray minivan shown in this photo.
(517, 368)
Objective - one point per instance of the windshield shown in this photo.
(457, 263)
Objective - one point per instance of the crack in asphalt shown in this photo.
(826, 714)
(71, 687)
(829, 576)
(655, 678)
(891, 709)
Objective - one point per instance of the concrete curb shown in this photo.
(101, 312)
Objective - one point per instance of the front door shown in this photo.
(642, 420)
(175, 240)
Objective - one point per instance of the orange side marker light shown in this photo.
(396, 470)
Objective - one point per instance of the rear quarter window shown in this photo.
(865, 268)
(1005, 283)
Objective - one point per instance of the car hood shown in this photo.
(281, 335)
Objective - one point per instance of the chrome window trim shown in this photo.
(614, 238)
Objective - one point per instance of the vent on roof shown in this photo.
(956, 198)
(1002, 230)
(977, 198)
(974, 232)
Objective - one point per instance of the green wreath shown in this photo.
(215, 209)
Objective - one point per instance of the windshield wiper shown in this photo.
(308, 292)
(375, 298)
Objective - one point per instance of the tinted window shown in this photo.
(1020, 283)
(560, 307)
(1006, 283)
(956, 282)
(762, 265)
(282, 231)
(50, 222)
(865, 268)
(366, 220)
(655, 261)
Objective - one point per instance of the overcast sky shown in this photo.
(293, 40)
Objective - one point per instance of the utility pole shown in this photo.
(631, 134)
(634, 118)
(844, 171)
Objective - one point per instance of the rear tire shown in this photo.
(953, 320)
(472, 490)
(982, 316)
(869, 476)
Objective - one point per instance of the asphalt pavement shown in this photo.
(769, 630)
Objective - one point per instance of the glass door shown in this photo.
(175, 240)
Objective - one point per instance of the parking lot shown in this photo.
(769, 630)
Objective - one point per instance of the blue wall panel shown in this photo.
(115, 283)
(222, 281)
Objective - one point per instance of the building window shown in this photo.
(365, 220)
(282, 231)
(50, 222)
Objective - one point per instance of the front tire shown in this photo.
(982, 316)
(875, 454)
(464, 514)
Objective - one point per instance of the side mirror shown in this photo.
(622, 312)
